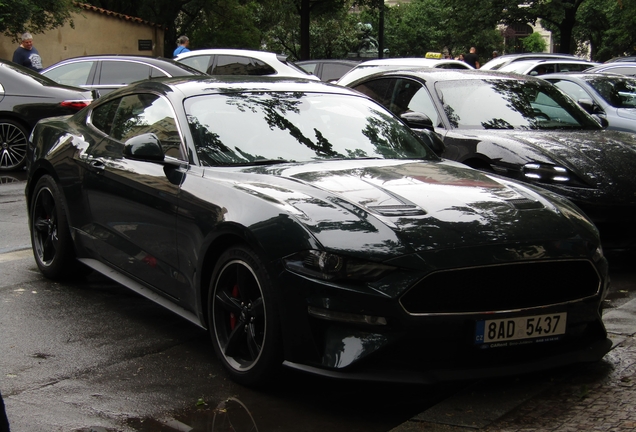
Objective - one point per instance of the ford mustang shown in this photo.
(304, 225)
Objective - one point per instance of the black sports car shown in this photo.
(26, 97)
(303, 224)
(526, 129)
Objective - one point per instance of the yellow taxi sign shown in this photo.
(433, 55)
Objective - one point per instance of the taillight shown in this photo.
(75, 104)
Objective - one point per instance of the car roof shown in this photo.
(340, 61)
(371, 66)
(505, 59)
(233, 51)
(434, 75)
(614, 65)
(155, 61)
(411, 61)
(188, 86)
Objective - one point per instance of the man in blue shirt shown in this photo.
(26, 55)
(182, 46)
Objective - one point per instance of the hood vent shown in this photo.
(525, 204)
(398, 210)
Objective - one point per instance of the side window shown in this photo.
(73, 74)
(102, 116)
(379, 90)
(239, 65)
(422, 102)
(333, 71)
(573, 90)
(157, 73)
(119, 72)
(200, 63)
(147, 113)
(622, 70)
(572, 67)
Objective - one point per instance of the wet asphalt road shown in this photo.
(93, 356)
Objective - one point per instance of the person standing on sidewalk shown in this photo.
(182, 46)
(26, 54)
(471, 58)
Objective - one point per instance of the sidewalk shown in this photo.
(594, 397)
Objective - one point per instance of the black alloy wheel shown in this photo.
(50, 236)
(243, 320)
(13, 145)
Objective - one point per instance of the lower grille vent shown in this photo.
(502, 287)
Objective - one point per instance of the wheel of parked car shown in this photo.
(243, 320)
(13, 145)
(50, 235)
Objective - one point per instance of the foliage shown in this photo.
(34, 16)
(534, 43)
(415, 28)
(608, 26)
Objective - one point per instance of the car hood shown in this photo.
(396, 207)
(603, 159)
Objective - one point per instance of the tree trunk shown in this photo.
(304, 29)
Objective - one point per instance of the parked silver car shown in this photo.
(609, 96)
(219, 61)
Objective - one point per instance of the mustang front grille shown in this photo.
(502, 287)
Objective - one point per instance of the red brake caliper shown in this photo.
(235, 294)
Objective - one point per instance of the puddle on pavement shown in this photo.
(230, 415)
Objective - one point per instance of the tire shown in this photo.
(50, 235)
(243, 317)
(13, 145)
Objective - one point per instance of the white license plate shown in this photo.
(510, 329)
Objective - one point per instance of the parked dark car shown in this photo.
(611, 97)
(325, 236)
(621, 68)
(106, 73)
(526, 129)
(25, 98)
(328, 69)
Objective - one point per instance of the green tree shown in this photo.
(34, 16)
(534, 43)
(608, 27)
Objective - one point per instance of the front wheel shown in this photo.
(243, 318)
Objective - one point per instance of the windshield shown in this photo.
(618, 92)
(258, 128)
(510, 104)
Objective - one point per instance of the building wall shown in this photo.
(96, 32)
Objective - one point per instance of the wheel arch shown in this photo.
(9, 115)
(214, 248)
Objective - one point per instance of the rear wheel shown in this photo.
(243, 318)
(13, 145)
(50, 235)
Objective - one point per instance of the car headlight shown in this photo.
(551, 174)
(329, 266)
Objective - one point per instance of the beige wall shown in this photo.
(94, 33)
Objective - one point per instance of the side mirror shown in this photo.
(145, 147)
(587, 105)
(417, 120)
(601, 120)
